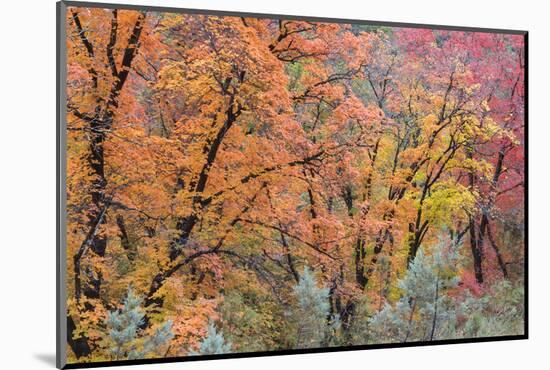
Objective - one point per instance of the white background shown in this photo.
(27, 182)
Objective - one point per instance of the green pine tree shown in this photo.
(127, 340)
(310, 312)
(424, 311)
(214, 343)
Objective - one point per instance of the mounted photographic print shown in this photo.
(235, 184)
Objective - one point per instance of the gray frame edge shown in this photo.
(227, 13)
(61, 194)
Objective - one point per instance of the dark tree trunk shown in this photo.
(500, 259)
(418, 229)
(130, 249)
(79, 345)
(186, 225)
(477, 253)
(484, 222)
(289, 259)
(360, 254)
(359, 245)
(100, 121)
(197, 185)
(98, 244)
(475, 246)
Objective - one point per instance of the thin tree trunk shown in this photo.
(409, 325)
(436, 301)
(477, 249)
(500, 259)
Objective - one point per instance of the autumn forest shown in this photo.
(251, 184)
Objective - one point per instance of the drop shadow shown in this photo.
(46, 358)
